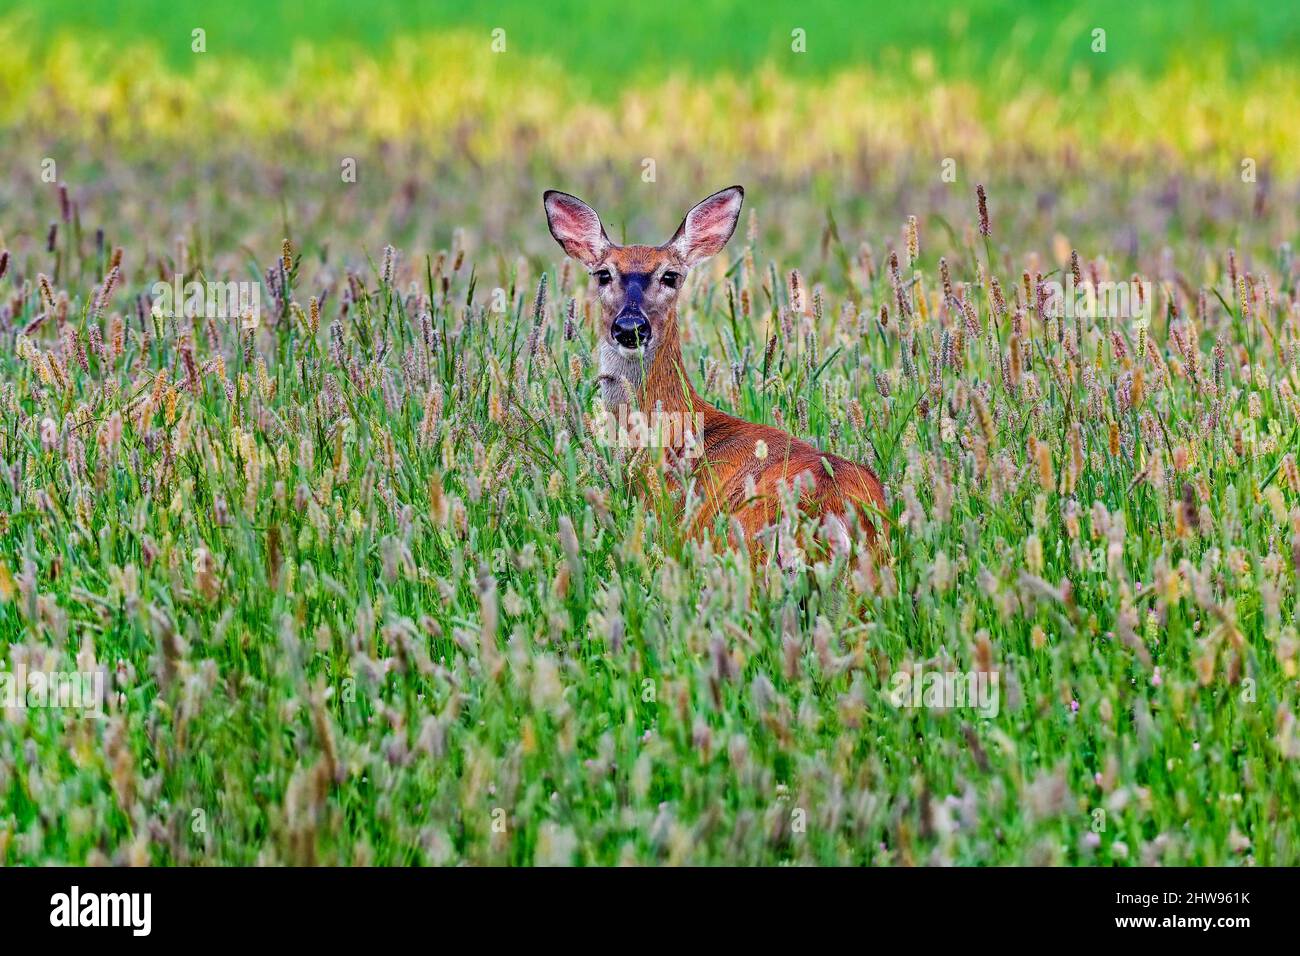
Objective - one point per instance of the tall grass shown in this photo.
(367, 590)
(365, 587)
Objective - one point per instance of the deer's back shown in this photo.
(833, 485)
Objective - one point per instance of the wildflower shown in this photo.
(856, 415)
(47, 293)
(49, 433)
(795, 291)
(106, 292)
(941, 573)
(1290, 472)
(999, 300)
(896, 282)
(1034, 554)
(1043, 459)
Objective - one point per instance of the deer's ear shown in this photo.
(576, 227)
(708, 226)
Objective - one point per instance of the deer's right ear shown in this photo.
(708, 226)
(576, 227)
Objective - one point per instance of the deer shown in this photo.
(740, 468)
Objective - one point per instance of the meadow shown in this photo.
(364, 585)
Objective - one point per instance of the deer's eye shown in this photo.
(671, 279)
(603, 276)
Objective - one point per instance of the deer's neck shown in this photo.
(652, 383)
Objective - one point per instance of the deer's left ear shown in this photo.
(708, 226)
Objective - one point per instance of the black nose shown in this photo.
(631, 331)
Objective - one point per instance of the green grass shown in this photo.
(368, 590)
(1048, 40)
(344, 623)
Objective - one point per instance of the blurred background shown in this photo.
(226, 126)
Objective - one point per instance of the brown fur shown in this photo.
(729, 457)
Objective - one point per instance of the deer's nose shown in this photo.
(631, 330)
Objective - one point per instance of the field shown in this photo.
(365, 586)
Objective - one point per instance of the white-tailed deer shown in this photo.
(742, 464)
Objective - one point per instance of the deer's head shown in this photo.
(638, 285)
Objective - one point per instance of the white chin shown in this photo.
(628, 353)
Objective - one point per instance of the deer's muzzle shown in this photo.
(631, 330)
